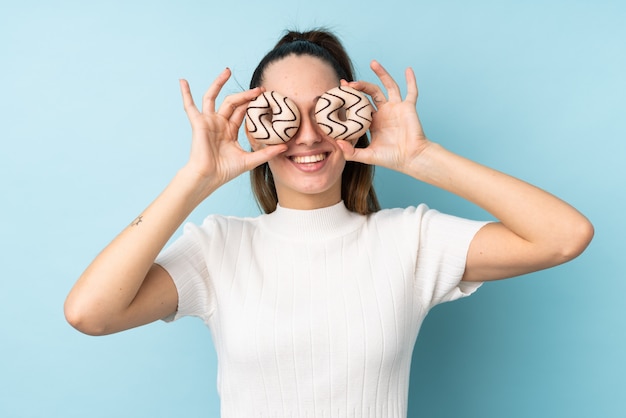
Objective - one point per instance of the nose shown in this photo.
(309, 132)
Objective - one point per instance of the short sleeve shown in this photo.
(185, 261)
(443, 245)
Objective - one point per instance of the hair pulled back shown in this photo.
(357, 190)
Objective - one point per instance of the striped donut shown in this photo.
(344, 113)
(272, 118)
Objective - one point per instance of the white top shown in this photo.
(315, 313)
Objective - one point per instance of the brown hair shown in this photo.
(357, 190)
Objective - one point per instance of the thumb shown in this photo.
(263, 155)
(351, 153)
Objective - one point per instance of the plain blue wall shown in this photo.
(92, 128)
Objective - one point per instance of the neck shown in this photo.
(308, 201)
(312, 225)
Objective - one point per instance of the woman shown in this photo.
(315, 306)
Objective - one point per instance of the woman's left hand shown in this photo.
(397, 138)
(535, 230)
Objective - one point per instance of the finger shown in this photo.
(208, 100)
(263, 155)
(239, 114)
(351, 153)
(393, 90)
(236, 104)
(411, 86)
(371, 89)
(188, 104)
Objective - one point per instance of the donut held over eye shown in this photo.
(344, 113)
(272, 118)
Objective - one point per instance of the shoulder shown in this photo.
(423, 223)
(400, 216)
(216, 226)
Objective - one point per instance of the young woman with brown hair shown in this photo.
(315, 306)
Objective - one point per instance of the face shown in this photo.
(308, 174)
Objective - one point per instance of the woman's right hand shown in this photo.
(122, 287)
(216, 155)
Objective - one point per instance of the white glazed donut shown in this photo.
(344, 113)
(272, 118)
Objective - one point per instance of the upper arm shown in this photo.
(496, 252)
(156, 299)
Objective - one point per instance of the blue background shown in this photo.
(92, 129)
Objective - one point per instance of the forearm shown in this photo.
(113, 279)
(531, 213)
(536, 230)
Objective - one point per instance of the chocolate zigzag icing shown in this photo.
(357, 108)
(286, 121)
(272, 118)
(324, 115)
(258, 110)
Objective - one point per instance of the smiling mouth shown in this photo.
(308, 159)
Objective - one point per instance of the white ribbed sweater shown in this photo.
(315, 313)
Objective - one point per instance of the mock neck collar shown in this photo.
(323, 223)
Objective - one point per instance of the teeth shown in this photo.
(308, 158)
